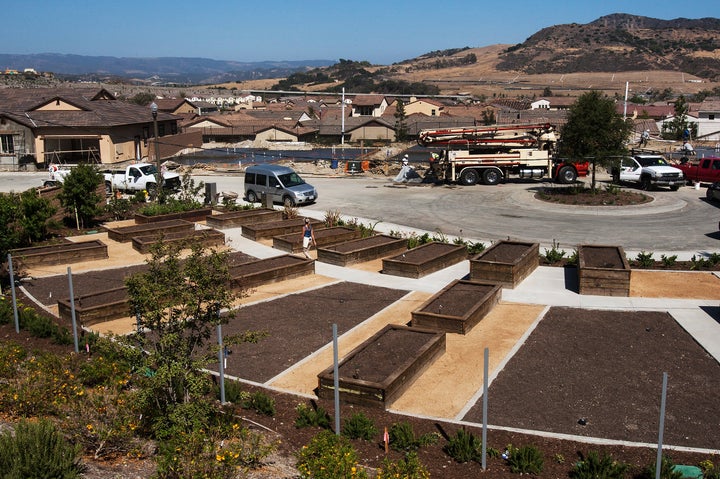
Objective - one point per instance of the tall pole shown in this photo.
(154, 110)
(342, 119)
(336, 378)
(658, 460)
(627, 87)
(221, 362)
(72, 309)
(12, 289)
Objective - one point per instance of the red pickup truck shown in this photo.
(703, 170)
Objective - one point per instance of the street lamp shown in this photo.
(154, 110)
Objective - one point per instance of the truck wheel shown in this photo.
(251, 197)
(469, 177)
(645, 184)
(491, 177)
(288, 201)
(108, 188)
(567, 175)
(674, 188)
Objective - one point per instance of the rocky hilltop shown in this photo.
(620, 42)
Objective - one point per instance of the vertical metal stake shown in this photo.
(221, 353)
(658, 461)
(485, 407)
(12, 289)
(336, 379)
(72, 310)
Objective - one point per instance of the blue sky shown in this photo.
(381, 32)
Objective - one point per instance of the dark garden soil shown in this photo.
(505, 253)
(606, 368)
(569, 195)
(602, 257)
(458, 300)
(49, 289)
(367, 242)
(299, 324)
(425, 253)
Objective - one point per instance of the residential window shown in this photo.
(6, 144)
(433, 112)
(711, 116)
(161, 129)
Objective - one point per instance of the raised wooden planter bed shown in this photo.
(97, 307)
(505, 262)
(234, 219)
(269, 270)
(603, 270)
(206, 237)
(425, 259)
(193, 215)
(64, 253)
(362, 249)
(292, 243)
(277, 228)
(457, 307)
(123, 234)
(381, 368)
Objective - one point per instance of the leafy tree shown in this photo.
(177, 303)
(79, 195)
(142, 98)
(547, 92)
(675, 128)
(35, 211)
(400, 121)
(594, 130)
(10, 233)
(488, 117)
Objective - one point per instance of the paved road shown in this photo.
(675, 222)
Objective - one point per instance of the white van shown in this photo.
(281, 183)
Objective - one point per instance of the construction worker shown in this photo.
(405, 171)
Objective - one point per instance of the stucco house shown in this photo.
(368, 105)
(75, 125)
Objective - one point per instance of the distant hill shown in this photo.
(162, 69)
(620, 42)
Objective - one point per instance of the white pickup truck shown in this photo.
(135, 177)
(649, 171)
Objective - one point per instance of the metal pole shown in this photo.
(72, 310)
(342, 132)
(12, 289)
(154, 110)
(485, 407)
(221, 354)
(336, 379)
(658, 461)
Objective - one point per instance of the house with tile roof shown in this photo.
(176, 106)
(74, 126)
(368, 105)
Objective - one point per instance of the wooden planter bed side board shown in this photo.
(457, 307)
(603, 270)
(380, 369)
(269, 270)
(292, 243)
(424, 259)
(97, 307)
(261, 231)
(64, 253)
(123, 234)
(235, 219)
(193, 216)
(361, 249)
(206, 237)
(505, 262)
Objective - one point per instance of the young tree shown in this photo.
(35, 212)
(10, 233)
(177, 303)
(594, 130)
(79, 195)
(675, 128)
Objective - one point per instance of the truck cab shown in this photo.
(648, 171)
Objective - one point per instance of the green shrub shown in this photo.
(698, 263)
(573, 258)
(328, 456)
(668, 261)
(595, 467)
(38, 450)
(260, 402)
(234, 392)
(309, 416)
(554, 254)
(408, 468)
(402, 437)
(359, 426)
(332, 218)
(525, 460)
(667, 470)
(464, 447)
(644, 260)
